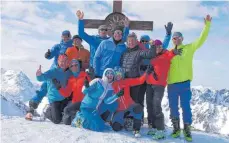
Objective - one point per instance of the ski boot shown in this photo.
(187, 132)
(42, 116)
(158, 135)
(152, 130)
(176, 128)
(128, 124)
(137, 133)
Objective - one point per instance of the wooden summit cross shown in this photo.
(117, 18)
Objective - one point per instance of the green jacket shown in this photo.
(181, 66)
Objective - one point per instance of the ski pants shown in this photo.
(70, 112)
(54, 111)
(154, 95)
(183, 91)
(135, 110)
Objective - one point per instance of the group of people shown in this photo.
(107, 86)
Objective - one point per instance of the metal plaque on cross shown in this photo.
(117, 18)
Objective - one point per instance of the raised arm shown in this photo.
(44, 76)
(81, 32)
(167, 38)
(126, 29)
(204, 34)
(98, 55)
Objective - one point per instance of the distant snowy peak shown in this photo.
(12, 78)
(217, 97)
(15, 85)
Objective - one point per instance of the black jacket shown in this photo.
(132, 58)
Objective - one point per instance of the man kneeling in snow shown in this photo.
(98, 104)
(56, 100)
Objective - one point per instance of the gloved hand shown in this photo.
(143, 67)
(32, 106)
(90, 72)
(177, 51)
(56, 83)
(169, 28)
(86, 82)
(48, 54)
(149, 69)
(120, 93)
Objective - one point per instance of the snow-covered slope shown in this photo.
(18, 130)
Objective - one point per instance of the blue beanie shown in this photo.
(145, 37)
(66, 32)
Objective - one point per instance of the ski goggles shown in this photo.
(144, 41)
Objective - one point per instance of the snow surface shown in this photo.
(16, 129)
(210, 110)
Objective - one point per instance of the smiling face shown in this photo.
(63, 61)
(77, 42)
(110, 76)
(117, 35)
(66, 38)
(159, 49)
(74, 67)
(103, 32)
(131, 42)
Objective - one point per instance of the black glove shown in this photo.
(56, 83)
(143, 67)
(154, 74)
(120, 93)
(80, 62)
(32, 107)
(169, 28)
(177, 51)
(48, 54)
(86, 82)
(149, 69)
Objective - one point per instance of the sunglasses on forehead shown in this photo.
(103, 30)
(144, 41)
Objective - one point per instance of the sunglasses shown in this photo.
(144, 41)
(176, 38)
(103, 30)
(73, 66)
(118, 32)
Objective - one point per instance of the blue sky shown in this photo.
(28, 29)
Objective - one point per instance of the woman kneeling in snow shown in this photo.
(98, 104)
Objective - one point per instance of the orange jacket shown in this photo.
(79, 54)
(75, 85)
(125, 101)
(161, 65)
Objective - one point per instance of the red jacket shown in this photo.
(161, 65)
(125, 101)
(75, 85)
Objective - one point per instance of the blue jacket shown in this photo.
(53, 94)
(97, 92)
(59, 49)
(107, 56)
(165, 45)
(95, 40)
